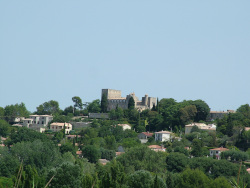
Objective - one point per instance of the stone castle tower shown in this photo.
(115, 99)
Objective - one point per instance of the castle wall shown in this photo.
(112, 94)
(115, 99)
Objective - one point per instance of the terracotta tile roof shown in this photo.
(78, 152)
(164, 132)
(60, 124)
(247, 128)
(119, 153)
(220, 149)
(155, 147)
(148, 134)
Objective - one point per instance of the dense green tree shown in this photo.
(193, 179)
(77, 102)
(202, 110)
(131, 103)
(68, 110)
(50, 107)
(244, 110)
(68, 147)
(91, 153)
(188, 113)
(104, 103)
(2, 113)
(6, 182)
(67, 175)
(235, 155)
(107, 154)
(13, 111)
(8, 163)
(94, 106)
(220, 182)
(117, 174)
(181, 149)
(176, 162)
(25, 134)
(140, 179)
(197, 147)
(4, 128)
(110, 142)
(143, 158)
(37, 153)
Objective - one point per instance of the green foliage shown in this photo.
(37, 153)
(131, 103)
(235, 155)
(143, 158)
(68, 147)
(140, 179)
(196, 148)
(181, 149)
(91, 153)
(78, 102)
(13, 111)
(6, 182)
(4, 128)
(25, 134)
(107, 154)
(193, 179)
(67, 175)
(104, 103)
(220, 182)
(8, 163)
(47, 108)
(188, 113)
(176, 162)
(94, 106)
(202, 110)
(244, 110)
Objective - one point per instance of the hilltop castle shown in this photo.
(115, 99)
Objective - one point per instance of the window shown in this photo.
(42, 122)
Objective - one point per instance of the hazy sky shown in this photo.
(57, 49)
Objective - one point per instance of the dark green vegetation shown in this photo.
(32, 159)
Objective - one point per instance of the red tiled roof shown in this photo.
(148, 134)
(78, 152)
(219, 149)
(155, 147)
(119, 153)
(164, 132)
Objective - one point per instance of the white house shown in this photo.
(162, 136)
(125, 126)
(217, 152)
(37, 121)
(202, 126)
(60, 126)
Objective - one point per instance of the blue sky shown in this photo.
(54, 50)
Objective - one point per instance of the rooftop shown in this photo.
(220, 149)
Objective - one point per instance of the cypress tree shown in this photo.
(104, 103)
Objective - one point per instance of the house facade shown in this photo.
(217, 152)
(163, 136)
(55, 127)
(202, 126)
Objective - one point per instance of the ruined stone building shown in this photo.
(115, 99)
